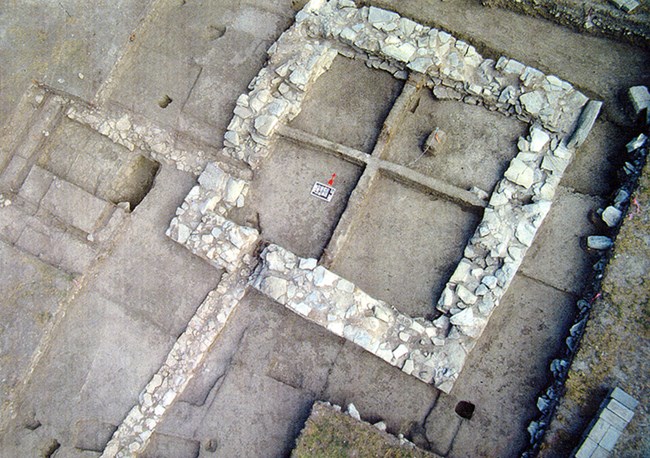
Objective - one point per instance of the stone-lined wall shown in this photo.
(134, 131)
(454, 70)
(335, 303)
(386, 41)
(200, 224)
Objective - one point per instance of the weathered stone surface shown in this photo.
(640, 98)
(611, 216)
(520, 173)
(599, 242)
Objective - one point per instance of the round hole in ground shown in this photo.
(465, 409)
(164, 101)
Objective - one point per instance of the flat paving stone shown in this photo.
(478, 147)
(280, 195)
(557, 256)
(348, 104)
(405, 246)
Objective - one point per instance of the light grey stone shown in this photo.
(533, 102)
(611, 216)
(636, 143)
(520, 173)
(599, 242)
(213, 177)
(464, 318)
(620, 410)
(323, 277)
(640, 98)
(624, 398)
(266, 124)
(586, 122)
(402, 53)
(465, 295)
(538, 139)
(586, 449)
(376, 15)
(380, 425)
(608, 442)
(353, 412)
(274, 287)
(308, 263)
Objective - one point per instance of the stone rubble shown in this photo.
(133, 131)
(415, 345)
(200, 223)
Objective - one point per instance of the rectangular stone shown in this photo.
(586, 449)
(620, 410)
(74, 206)
(598, 430)
(624, 398)
(608, 442)
(613, 419)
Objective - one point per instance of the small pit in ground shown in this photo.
(465, 409)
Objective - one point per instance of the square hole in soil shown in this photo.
(478, 147)
(279, 199)
(348, 104)
(404, 245)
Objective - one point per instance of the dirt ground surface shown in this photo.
(95, 294)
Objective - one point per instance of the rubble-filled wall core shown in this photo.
(433, 351)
